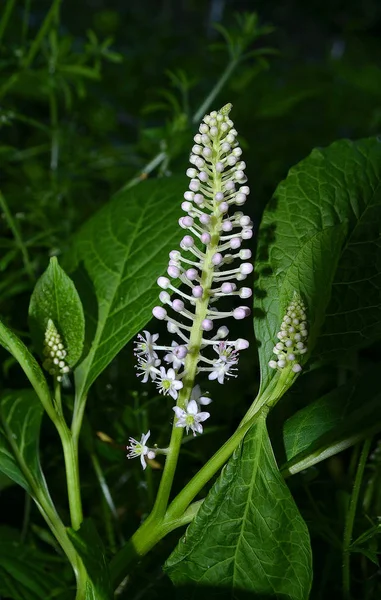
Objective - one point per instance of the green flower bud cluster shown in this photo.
(292, 336)
(55, 352)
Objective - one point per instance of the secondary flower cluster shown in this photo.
(292, 336)
(55, 352)
(209, 266)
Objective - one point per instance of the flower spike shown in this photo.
(55, 352)
(209, 265)
(292, 336)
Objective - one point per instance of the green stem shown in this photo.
(70, 449)
(49, 19)
(41, 496)
(203, 109)
(350, 518)
(149, 167)
(6, 16)
(25, 20)
(17, 235)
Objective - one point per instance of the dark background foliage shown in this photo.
(86, 116)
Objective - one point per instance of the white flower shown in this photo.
(148, 367)
(175, 357)
(145, 345)
(226, 353)
(222, 369)
(136, 449)
(190, 418)
(196, 395)
(168, 383)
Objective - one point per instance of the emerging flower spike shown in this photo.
(292, 336)
(55, 352)
(136, 449)
(209, 264)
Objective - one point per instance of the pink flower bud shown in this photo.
(173, 271)
(205, 238)
(226, 225)
(235, 243)
(217, 258)
(178, 305)
(246, 268)
(163, 282)
(227, 287)
(241, 344)
(207, 325)
(245, 292)
(197, 291)
(192, 274)
(187, 241)
(159, 312)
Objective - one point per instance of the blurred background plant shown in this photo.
(96, 96)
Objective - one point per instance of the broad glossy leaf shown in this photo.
(20, 421)
(334, 422)
(123, 249)
(320, 236)
(55, 297)
(26, 573)
(248, 534)
(91, 549)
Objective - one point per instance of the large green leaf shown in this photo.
(320, 236)
(248, 534)
(56, 298)
(124, 248)
(334, 422)
(26, 573)
(91, 549)
(20, 421)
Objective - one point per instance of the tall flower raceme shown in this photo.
(210, 265)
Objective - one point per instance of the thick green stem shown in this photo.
(350, 519)
(70, 448)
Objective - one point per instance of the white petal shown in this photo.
(213, 375)
(202, 416)
(179, 412)
(145, 437)
(142, 460)
(204, 400)
(192, 408)
(171, 374)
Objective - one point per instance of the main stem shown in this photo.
(350, 519)
(194, 347)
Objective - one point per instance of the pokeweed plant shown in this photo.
(246, 535)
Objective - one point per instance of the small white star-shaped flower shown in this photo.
(176, 356)
(190, 418)
(136, 449)
(168, 383)
(148, 367)
(222, 369)
(145, 345)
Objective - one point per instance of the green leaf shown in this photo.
(55, 297)
(20, 421)
(124, 248)
(25, 573)
(90, 548)
(248, 534)
(319, 235)
(338, 420)
(28, 363)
